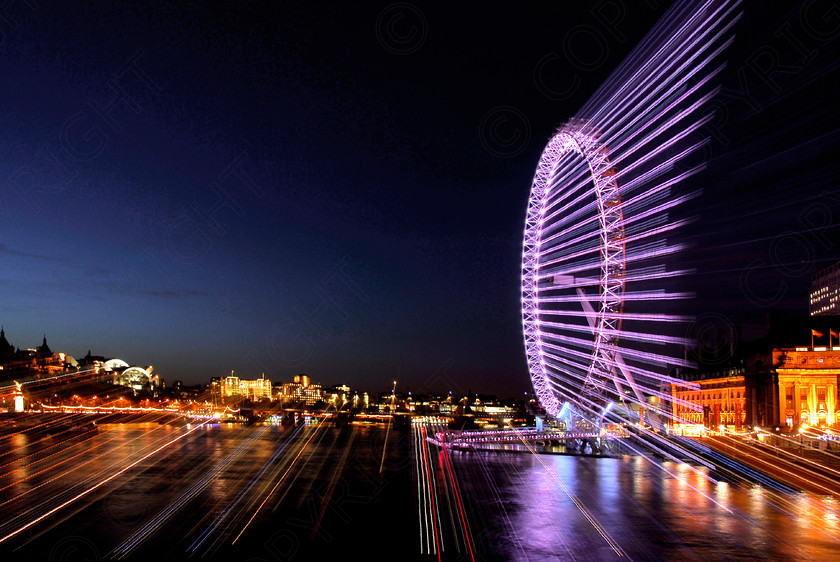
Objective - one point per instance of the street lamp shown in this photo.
(393, 397)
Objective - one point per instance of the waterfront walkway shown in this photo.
(806, 470)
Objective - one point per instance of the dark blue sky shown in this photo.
(340, 190)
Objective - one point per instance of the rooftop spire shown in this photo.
(5, 346)
(44, 350)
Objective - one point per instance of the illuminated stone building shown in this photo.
(807, 385)
(45, 362)
(255, 389)
(40, 361)
(825, 291)
(737, 391)
(722, 398)
(793, 386)
(302, 389)
(339, 396)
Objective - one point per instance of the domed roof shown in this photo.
(113, 364)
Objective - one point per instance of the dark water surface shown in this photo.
(557, 507)
(229, 492)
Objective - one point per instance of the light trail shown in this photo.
(139, 410)
(651, 193)
(585, 512)
(93, 477)
(48, 379)
(665, 447)
(38, 452)
(276, 485)
(212, 530)
(422, 498)
(498, 496)
(460, 506)
(724, 461)
(45, 438)
(388, 430)
(134, 541)
(44, 424)
(432, 496)
(97, 486)
(333, 482)
(428, 521)
(662, 467)
(265, 474)
(780, 496)
(597, 218)
(29, 465)
(787, 462)
(68, 492)
(321, 434)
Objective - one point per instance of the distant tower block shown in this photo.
(825, 291)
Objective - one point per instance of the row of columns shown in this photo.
(811, 402)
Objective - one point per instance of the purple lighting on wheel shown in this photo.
(596, 289)
(580, 139)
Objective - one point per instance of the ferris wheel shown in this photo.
(573, 270)
(601, 228)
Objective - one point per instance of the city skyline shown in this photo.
(344, 190)
(453, 282)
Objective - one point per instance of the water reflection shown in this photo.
(315, 492)
(555, 505)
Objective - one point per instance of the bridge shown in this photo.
(575, 442)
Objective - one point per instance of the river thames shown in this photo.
(216, 491)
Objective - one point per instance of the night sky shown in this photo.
(340, 190)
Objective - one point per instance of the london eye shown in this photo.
(603, 221)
